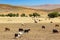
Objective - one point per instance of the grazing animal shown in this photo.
(51, 22)
(43, 27)
(26, 31)
(39, 20)
(7, 29)
(55, 31)
(20, 29)
(21, 32)
(17, 35)
(57, 25)
(22, 24)
(35, 21)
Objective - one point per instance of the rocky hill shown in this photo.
(5, 9)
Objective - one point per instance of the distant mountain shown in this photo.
(5, 9)
(46, 7)
(42, 9)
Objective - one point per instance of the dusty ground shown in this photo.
(36, 32)
(28, 20)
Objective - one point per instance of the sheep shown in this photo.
(55, 31)
(56, 25)
(20, 29)
(26, 31)
(43, 27)
(7, 29)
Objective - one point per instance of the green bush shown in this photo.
(53, 14)
(12, 15)
(36, 14)
(59, 14)
(23, 15)
(30, 15)
(17, 15)
(2, 15)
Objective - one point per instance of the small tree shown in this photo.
(53, 14)
(2, 15)
(30, 15)
(23, 15)
(13, 15)
(10, 14)
(59, 15)
(17, 15)
(36, 14)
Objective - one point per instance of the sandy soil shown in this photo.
(36, 32)
(28, 20)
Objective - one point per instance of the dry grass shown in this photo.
(36, 32)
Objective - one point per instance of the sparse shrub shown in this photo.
(34, 15)
(53, 14)
(12, 15)
(23, 15)
(30, 15)
(2, 15)
(17, 15)
(59, 15)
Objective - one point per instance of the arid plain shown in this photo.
(36, 31)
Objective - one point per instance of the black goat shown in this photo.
(55, 31)
(26, 31)
(43, 27)
(20, 29)
(17, 35)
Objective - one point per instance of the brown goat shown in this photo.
(7, 29)
(56, 25)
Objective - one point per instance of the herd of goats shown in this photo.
(22, 31)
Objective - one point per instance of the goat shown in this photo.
(57, 25)
(26, 31)
(21, 32)
(35, 21)
(43, 27)
(7, 29)
(20, 29)
(55, 31)
(51, 22)
(22, 24)
(17, 35)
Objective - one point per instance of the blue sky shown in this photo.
(29, 2)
